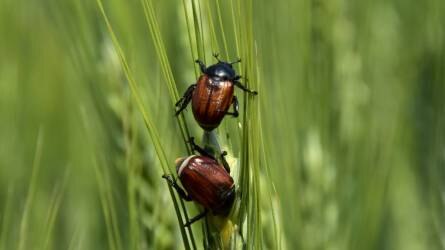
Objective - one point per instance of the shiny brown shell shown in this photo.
(210, 101)
(207, 183)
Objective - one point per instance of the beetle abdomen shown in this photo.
(210, 102)
(208, 183)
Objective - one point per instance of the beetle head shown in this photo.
(222, 71)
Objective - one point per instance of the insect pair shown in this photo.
(204, 179)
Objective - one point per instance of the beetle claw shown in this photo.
(216, 55)
(237, 61)
(192, 141)
(168, 178)
(196, 218)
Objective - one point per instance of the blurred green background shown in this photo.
(352, 104)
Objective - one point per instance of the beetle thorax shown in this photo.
(180, 167)
(221, 71)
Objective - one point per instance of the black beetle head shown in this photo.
(229, 199)
(222, 71)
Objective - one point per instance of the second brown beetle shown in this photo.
(213, 94)
(205, 181)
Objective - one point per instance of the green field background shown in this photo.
(351, 105)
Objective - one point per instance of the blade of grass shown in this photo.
(6, 218)
(189, 34)
(269, 182)
(221, 26)
(105, 205)
(214, 45)
(199, 36)
(75, 238)
(250, 147)
(255, 161)
(237, 46)
(131, 141)
(165, 66)
(31, 191)
(148, 123)
(203, 41)
(162, 55)
(111, 207)
(134, 89)
(103, 187)
(53, 210)
(160, 48)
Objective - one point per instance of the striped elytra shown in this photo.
(208, 183)
(211, 100)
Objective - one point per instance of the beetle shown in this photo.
(213, 94)
(206, 182)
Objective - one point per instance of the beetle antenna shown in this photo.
(237, 61)
(216, 55)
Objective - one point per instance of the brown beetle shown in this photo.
(205, 181)
(213, 94)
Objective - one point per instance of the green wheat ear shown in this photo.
(244, 226)
(252, 173)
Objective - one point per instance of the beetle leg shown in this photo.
(241, 86)
(235, 104)
(216, 55)
(237, 61)
(238, 77)
(200, 150)
(202, 66)
(224, 162)
(185, 99)
(172, 182)
(196, 218)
